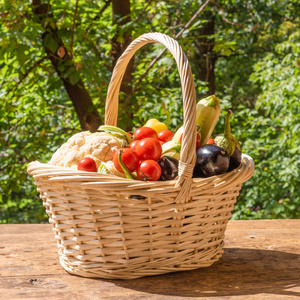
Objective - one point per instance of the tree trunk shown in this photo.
(86, 111)
(204, 57)
(121, 16)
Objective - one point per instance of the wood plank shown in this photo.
(28, 249)
(261, 261)
(263, 224)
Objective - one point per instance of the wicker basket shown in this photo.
(102, 231)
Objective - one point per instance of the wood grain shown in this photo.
(261, 260)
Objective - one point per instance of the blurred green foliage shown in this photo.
(257, 47)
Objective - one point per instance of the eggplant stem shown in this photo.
(227, 131)
(166, 111)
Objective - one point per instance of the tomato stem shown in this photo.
(125, 170)
(144, 178)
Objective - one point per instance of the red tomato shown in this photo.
(87, 164)
(133, 144)
(210, 141)
(129, 158)
(145, 132)
(148, 148)
(165, 135)
(197, 141)
(148, 170)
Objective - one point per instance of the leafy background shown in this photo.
(256, 46)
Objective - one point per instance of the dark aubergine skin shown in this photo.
(211, 160)
(169, 168)
(235, 159)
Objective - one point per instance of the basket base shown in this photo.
(132, 272)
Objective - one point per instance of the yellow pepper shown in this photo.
(156, 125)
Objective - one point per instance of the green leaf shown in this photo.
(74, 78)
(50, 43)
(21, 56)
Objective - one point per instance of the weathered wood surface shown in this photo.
(261, 260)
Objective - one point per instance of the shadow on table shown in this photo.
(239, 272)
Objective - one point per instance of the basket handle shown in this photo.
(188, 152)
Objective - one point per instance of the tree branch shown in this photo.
(63, 15)
(82, 102)
(187, 25)
(143, 11)
(73, 30)
(28, 71)
(230, 22)
(104, 7)
(37, 63)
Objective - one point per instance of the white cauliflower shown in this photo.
(99, 145)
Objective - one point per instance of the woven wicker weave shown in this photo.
(103, 231)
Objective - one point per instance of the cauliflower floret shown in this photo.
(71, 158)
(67, 155)
(78, 139)
(99, 145)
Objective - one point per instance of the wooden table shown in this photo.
(261, 260)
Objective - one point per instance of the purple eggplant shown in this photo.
(211, 160)
(235, 159)
(169, 168)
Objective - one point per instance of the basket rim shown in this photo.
(38, 169)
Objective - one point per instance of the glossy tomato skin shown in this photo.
(129, 158)
(87, 164)
(148, 170)
(198, 140)
(165, 135)
(133, 144)
(145, 132)
(148, 148)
